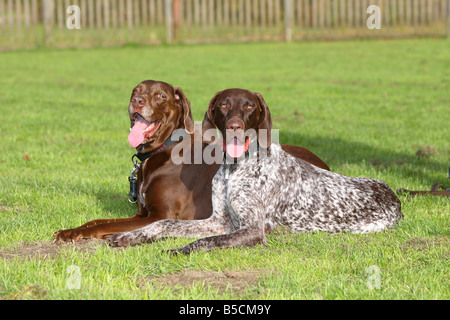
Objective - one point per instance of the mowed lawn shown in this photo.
(377, 109)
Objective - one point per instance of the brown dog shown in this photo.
(166, 190)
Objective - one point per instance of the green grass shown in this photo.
(379, 109)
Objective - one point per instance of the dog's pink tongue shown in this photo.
(235, 148)
(136, 136)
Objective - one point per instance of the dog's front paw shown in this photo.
(69, 235)
(182, 250)
(123, 239)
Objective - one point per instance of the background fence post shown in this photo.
(176, 19)
(288, 12)
(48, 12)
(448, 19)
(168, 13)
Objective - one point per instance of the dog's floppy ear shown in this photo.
(265, 123)
(181, 99)
(208, 120)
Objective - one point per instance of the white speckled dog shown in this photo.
(267, 187)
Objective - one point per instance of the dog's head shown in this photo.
(156, 109)
(240, 115)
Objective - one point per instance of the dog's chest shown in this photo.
(225, 185)
(155, 180)
(229, 195)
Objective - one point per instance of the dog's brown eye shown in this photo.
(248, 107)
(162, 96)
(223, 105)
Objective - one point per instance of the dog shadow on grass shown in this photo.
(116, 205)
(421, 167)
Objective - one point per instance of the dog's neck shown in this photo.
(255, 151)
(166, 144)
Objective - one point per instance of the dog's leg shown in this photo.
(102, 231)
(100, 228)
(245, 237)
(434, 192)
(107, 221)
(249, 213)
(217, 224)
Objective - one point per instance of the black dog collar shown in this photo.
(169, 142)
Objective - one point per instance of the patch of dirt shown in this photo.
(236, 281)
(26, 293)
(8, 209)
(426, 151)
(420, 243)
(45, 250)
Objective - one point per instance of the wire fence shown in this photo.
(86, 23)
